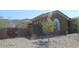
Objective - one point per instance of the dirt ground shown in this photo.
(16, 43)
(66, 41)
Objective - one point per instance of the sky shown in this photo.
(29, 14)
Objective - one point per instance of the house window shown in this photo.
(57, 24)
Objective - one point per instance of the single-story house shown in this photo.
(63, 24)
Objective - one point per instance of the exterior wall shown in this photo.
(22, 33)
(3, 33)
(63, 20)
(13, 32)
(7, 33)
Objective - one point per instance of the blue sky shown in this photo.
(22, 14)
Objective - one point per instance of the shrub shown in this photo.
(4, 23)
(76, 22)
(48, 26)
(22, 25)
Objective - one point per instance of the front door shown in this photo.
(57, 26)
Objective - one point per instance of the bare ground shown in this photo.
(66, 41)
(16, 43)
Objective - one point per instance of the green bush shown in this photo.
(48, 26)
(22, 25)
(4, 23)
(76, 22)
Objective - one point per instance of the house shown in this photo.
(63, 24)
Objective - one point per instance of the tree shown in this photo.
(48, 26)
